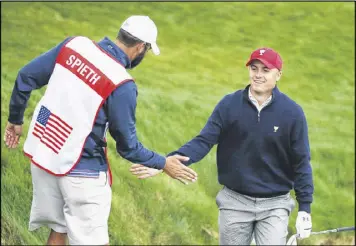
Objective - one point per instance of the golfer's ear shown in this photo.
(279, 75)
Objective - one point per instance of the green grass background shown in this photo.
(204, 47)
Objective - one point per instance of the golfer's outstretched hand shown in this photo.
(176, 170)
(143, 172)
(12, 135)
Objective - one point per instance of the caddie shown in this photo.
(89, 92)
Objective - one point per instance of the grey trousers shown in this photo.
(241, 216)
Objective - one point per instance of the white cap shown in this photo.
(143, 28)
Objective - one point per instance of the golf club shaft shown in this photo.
(352, 228)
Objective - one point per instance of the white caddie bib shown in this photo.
(83, 77)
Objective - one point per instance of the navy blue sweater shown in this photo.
(119, 110)
(253, 156)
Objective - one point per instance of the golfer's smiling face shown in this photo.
(262, 79)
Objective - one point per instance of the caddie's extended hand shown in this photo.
(175, 169)
(143, 172)
(12, 135)
(303, 224)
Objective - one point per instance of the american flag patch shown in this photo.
(51, 130)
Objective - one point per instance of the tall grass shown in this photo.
(204, 47)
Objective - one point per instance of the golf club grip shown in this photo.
(352, 228)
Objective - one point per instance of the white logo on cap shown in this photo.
(262, 51)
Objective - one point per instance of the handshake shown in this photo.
(173, 168)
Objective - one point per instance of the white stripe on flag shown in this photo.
(55, 129)
(59, 124)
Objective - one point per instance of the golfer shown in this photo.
(263, 152)
(88, 92)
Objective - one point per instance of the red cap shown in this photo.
(268, 57)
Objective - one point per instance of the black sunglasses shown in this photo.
(148, 46)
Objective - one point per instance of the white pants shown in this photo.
(77, 206)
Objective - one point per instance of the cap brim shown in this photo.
(266, 63)
(155, 49)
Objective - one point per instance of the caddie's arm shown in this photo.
(32, 76)
(121, 108)
(303, 179)
(197, 148)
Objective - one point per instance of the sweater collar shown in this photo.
(275, 93)
(115, 51)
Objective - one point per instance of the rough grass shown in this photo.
(204, 47)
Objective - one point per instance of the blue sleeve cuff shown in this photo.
(172, 153)
(16, 115)
(161, 162)
(304, 207)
